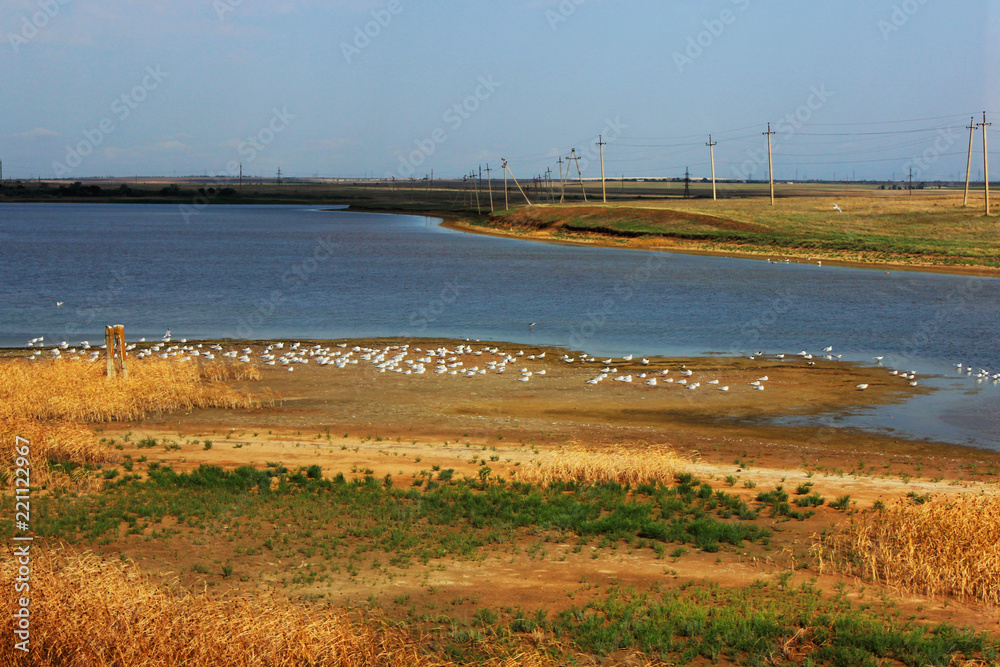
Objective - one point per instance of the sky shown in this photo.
(862, 89)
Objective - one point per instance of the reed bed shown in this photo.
(621, 466)
(90, 612)
(77, 390)
(58, 441)
(947, 546)
(50, 402)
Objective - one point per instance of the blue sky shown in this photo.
(185, 87)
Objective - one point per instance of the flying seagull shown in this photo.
(838, 208)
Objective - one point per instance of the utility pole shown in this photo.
(506, 205)
(574, 156)
(489, 184)
(475, 183)
(711, 148)
(241, 177)
(986, 163)
(548, 180)
(515, 181)
(687, 182)
(279, 175)
(604, 187)
(770, 162)
(562, 181)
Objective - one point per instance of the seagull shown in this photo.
(879, 359)
(862, 387)
(838, 208)
(59, 304)
(828, 349)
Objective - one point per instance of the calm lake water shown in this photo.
(293, 272)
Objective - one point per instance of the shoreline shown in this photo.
(817, 395)
(603, 241)
(462, 223)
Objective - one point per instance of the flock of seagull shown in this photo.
(461, 359)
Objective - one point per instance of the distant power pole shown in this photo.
(478, 181)
(515, 181)
(986, 162)
(770, 162)
(489, 184)
(687, 182)
(604, 188)
(548, 180)
(911, 180)
(241, 177)
(506, 204)
(562, 181)
(574, 156)
(279, 175)
(711, 149)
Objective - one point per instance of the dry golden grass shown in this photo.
(947, 546)
(48, 402)
(78, 390)
(621, 466)
(89, 612)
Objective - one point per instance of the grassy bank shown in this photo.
(323, 530)
(911, 231)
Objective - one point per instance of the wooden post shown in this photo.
(109, 344)
(120, 340)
